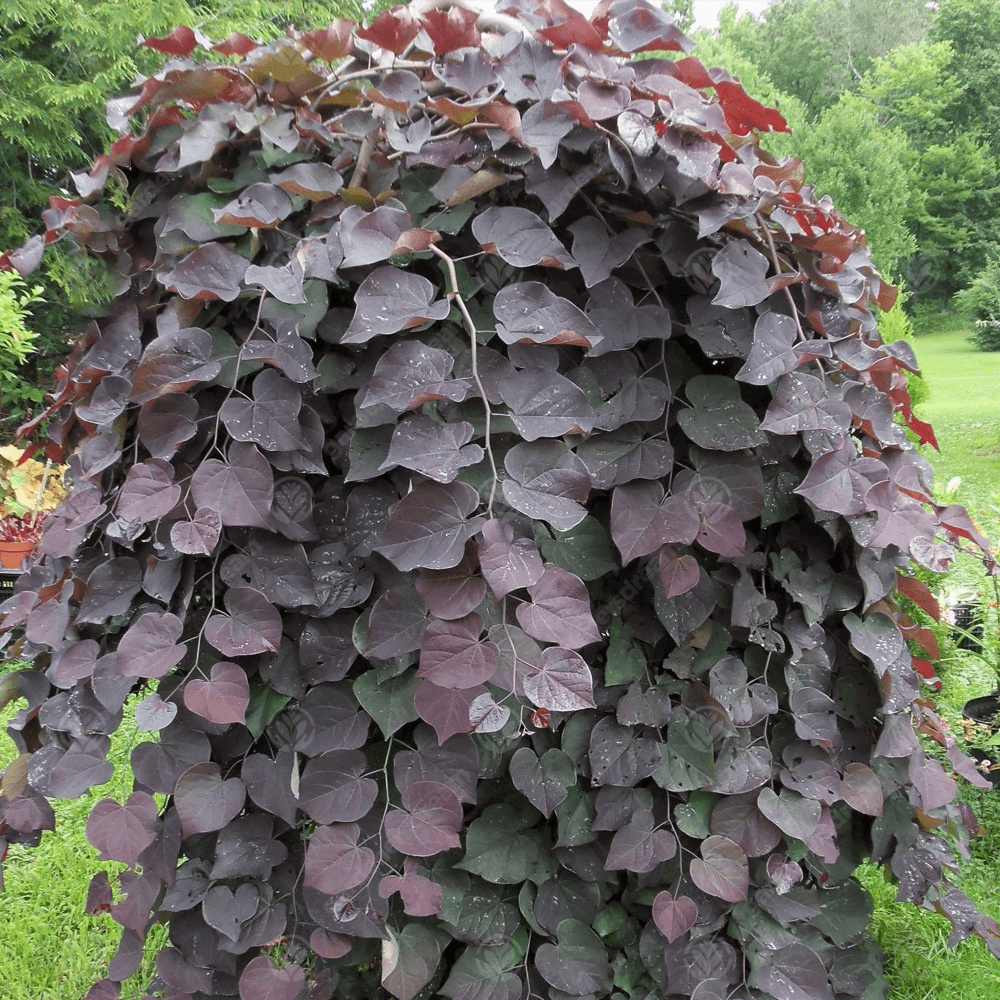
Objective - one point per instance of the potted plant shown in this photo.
(29, 489)
(18, 536)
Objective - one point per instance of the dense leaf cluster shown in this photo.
(491, 471)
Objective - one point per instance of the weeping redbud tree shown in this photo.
(491, 483)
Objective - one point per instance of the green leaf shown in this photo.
(584, 550)
(390, 703)
(265, 704)
(496, 848)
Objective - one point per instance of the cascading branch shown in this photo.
(491, 475)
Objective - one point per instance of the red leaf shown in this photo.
(180, 42)
(452, 29)
(392, 30)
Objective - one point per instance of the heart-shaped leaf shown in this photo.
(223, 698)
(674, 917)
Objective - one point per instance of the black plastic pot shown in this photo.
(967, 628)
(982, 709)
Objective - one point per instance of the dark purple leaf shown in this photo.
(738, 818)
(269, 783)
(223, 698)
(771, 355)
(396, 625)
(486, 715)
(82, 767)
(597, 253)
(639, 846)
(437, 450)
(520, 238)
(390, 300)
(200, 535)
(332, 789)
(543, 125)
(110, 590)
(562, 681)
(153, 714)
(410, 374)
(804, 403)
(212, 271)
(259, 206)
(719, 419)
(742, 272)
(644, 27)
(549, 483)
(452, 654)
(263, 980)
(150, 648)
(578, 963)
(446, 709)
(543, 781)
(643, 519)
(936, 787)
(861, 789)
(455, 764)
(453, 593)
(509, 561)
(166, 422)
(417, 954)
(335, 862)
(674, 917)
(205, 802)
(252, 625)
(428, 823)
(428, 528)
(122, 833)
(722, 870)
(241, 489)
(793, 815)
(793, 973)
(529, 313)
(620, 757)
(271, 419)
(559, 611)
(369, 237)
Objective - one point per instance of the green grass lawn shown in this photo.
(49, 948)
(964, 407)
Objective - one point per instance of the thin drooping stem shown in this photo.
(777, 269)
(456, 296)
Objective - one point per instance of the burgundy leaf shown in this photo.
(335, 862)
(678, 573)
(598, 254)
(166, 422)
(742, 272)
(200, 535)
(241, 489)
(421, 897)
(428, 823)
(453, 593)
(722, 870)
(332, 789)
(205, 802)
(269, 782)
(223, 698)
(550, 483)
(529, 313)
(562, 681)
(559, 611)
(674, 917)
(150, 648)
(446, 709)
(148, 492)
(771, 355)
(390, 300)
(263, 980)
(543, 404)
(520, 238)
(643, 519)
(508, 561)
(437, 450)
(486, 715)
(122, 833)
(110, 589)
(639, 846)
(271, 419)
(803, 403)
(452, 654)
(212, 271)
(252, 625)
(861, 789)
(428, 528)
(410, 374)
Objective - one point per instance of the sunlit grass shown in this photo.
(49, 948)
